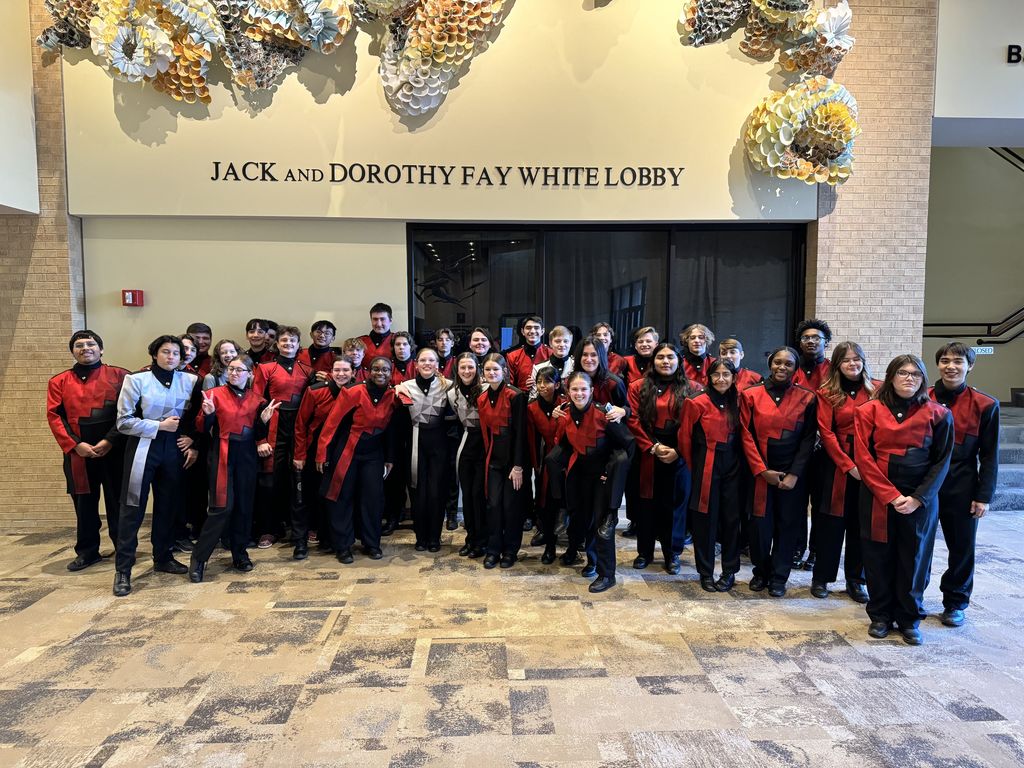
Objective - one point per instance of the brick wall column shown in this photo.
(866, 254)
(42, 299)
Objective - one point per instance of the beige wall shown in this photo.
(975, 273)
(224, 271)
(564, 83)
(19, 180)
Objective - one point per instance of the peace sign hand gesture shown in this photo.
(268, 412)
(208, 404)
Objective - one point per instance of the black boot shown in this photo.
(122, 583)
(196, 569)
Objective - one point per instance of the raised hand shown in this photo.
(208, 405)
(268, 412)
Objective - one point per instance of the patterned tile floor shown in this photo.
(424, 659)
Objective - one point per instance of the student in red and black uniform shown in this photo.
(604, 333)
(967, 492)
(813, 337)
(634, 367)
(398, 487)
(316, 404)
(283, 381)
(444, 342)
(779, 421)
(732, 350)
(403, 360)
(354, 350)
(544, 415)
(596, 476)
(710, 444)
(480, 345)
(533, 352)
(353, 454)
(81, 407)
(320, 355)
(902, 446)
(847, 387)
(469, 456)
(233, 415)
(261, 348)
(378, 340)
(696, 339)
(656, 406)
(202, 334)
(188, 354)
(502, 410)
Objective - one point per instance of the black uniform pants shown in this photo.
(105, 473)
(162, 474)
(662, 518)
(897, 570)
(588, 497)
(235, 517)
(197, 492)
(817, 464)
(773, 537)
(504, 514)
(282, 491)
(452, 502)
(362, 488)
(721, 523)
(830, 531)
(960, 530)
(431, 489)
(474, 502)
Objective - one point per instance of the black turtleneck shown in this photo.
(530, 349)
(375, 392)
(466, 389)
(333, 386)
(945, 395)
(240, 391)
(852, 386)
(315, 352)
(577, 414)
(547, 406)
(695, 360)
(286, 362)
(719, 399)
(378, 338)
(83, 371)
(900, 407)
(810, 363)
(424, 384)
(165, 377)
(493, 394)
(777, 389)
(663, 382)
(558, 363)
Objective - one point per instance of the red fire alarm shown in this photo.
(132, 298)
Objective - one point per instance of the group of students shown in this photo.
(326, 445)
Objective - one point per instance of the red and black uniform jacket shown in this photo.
(187, 368)
(313, 410)
(634, 367)
(901, 451)
(612, 390)
(233, 427)
(811, 374)
(202, 364)
(319, 359)
(503, 426)
(446, 367)
(664, 430)
(616, 364)
(835, 429)
(710, 446)
(266, 355)
(357, 425)
(779, 429)
(697, 368)
(81, 407)
(592, 439)
(746, 378)
(521, 361)
(376, 346)
(544, 432)
(285, 380)
(974, 465)
(400, 372)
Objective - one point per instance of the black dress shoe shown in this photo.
(601, 583)
(606, 530)
(673, 566)
(420, 547)
(83, 561)
(183, 544)
(435, 547)
(857, 592)
(725, 582)
(640, 562)
(562, 523)
(451, 521)
(301, 551)
(819, 590)
(630, 532)
(707, 583)
(122, 583)
(373, 553)
(809, 562)
(798, 561)
(196, 569)
(879, 629)
(912, 636)
(953, 617)
(476, 552)
(491, 561)
(589, 571)
(170, 566)
(345, 557)
(507, 560)
(387, 527)
(549, 554)
(757, 584)
(777, 590)
(537, 540)
(464, 550)
(243, 564)
(570, 558)
(527, 524)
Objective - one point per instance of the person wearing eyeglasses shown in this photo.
(233, 416)
(967, 492)
(696, 340)
(320, 355)
(902, 446)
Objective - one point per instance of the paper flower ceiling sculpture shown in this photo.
(808, 131)
(171, 43)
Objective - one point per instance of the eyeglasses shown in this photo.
(237, 370)
(912, 375)
(811, 337)
(723, 376)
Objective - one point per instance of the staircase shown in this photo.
(1010, 490)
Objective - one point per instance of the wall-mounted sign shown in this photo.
(1013, 54)
(984, 350)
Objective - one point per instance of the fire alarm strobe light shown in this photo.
(132, 297)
